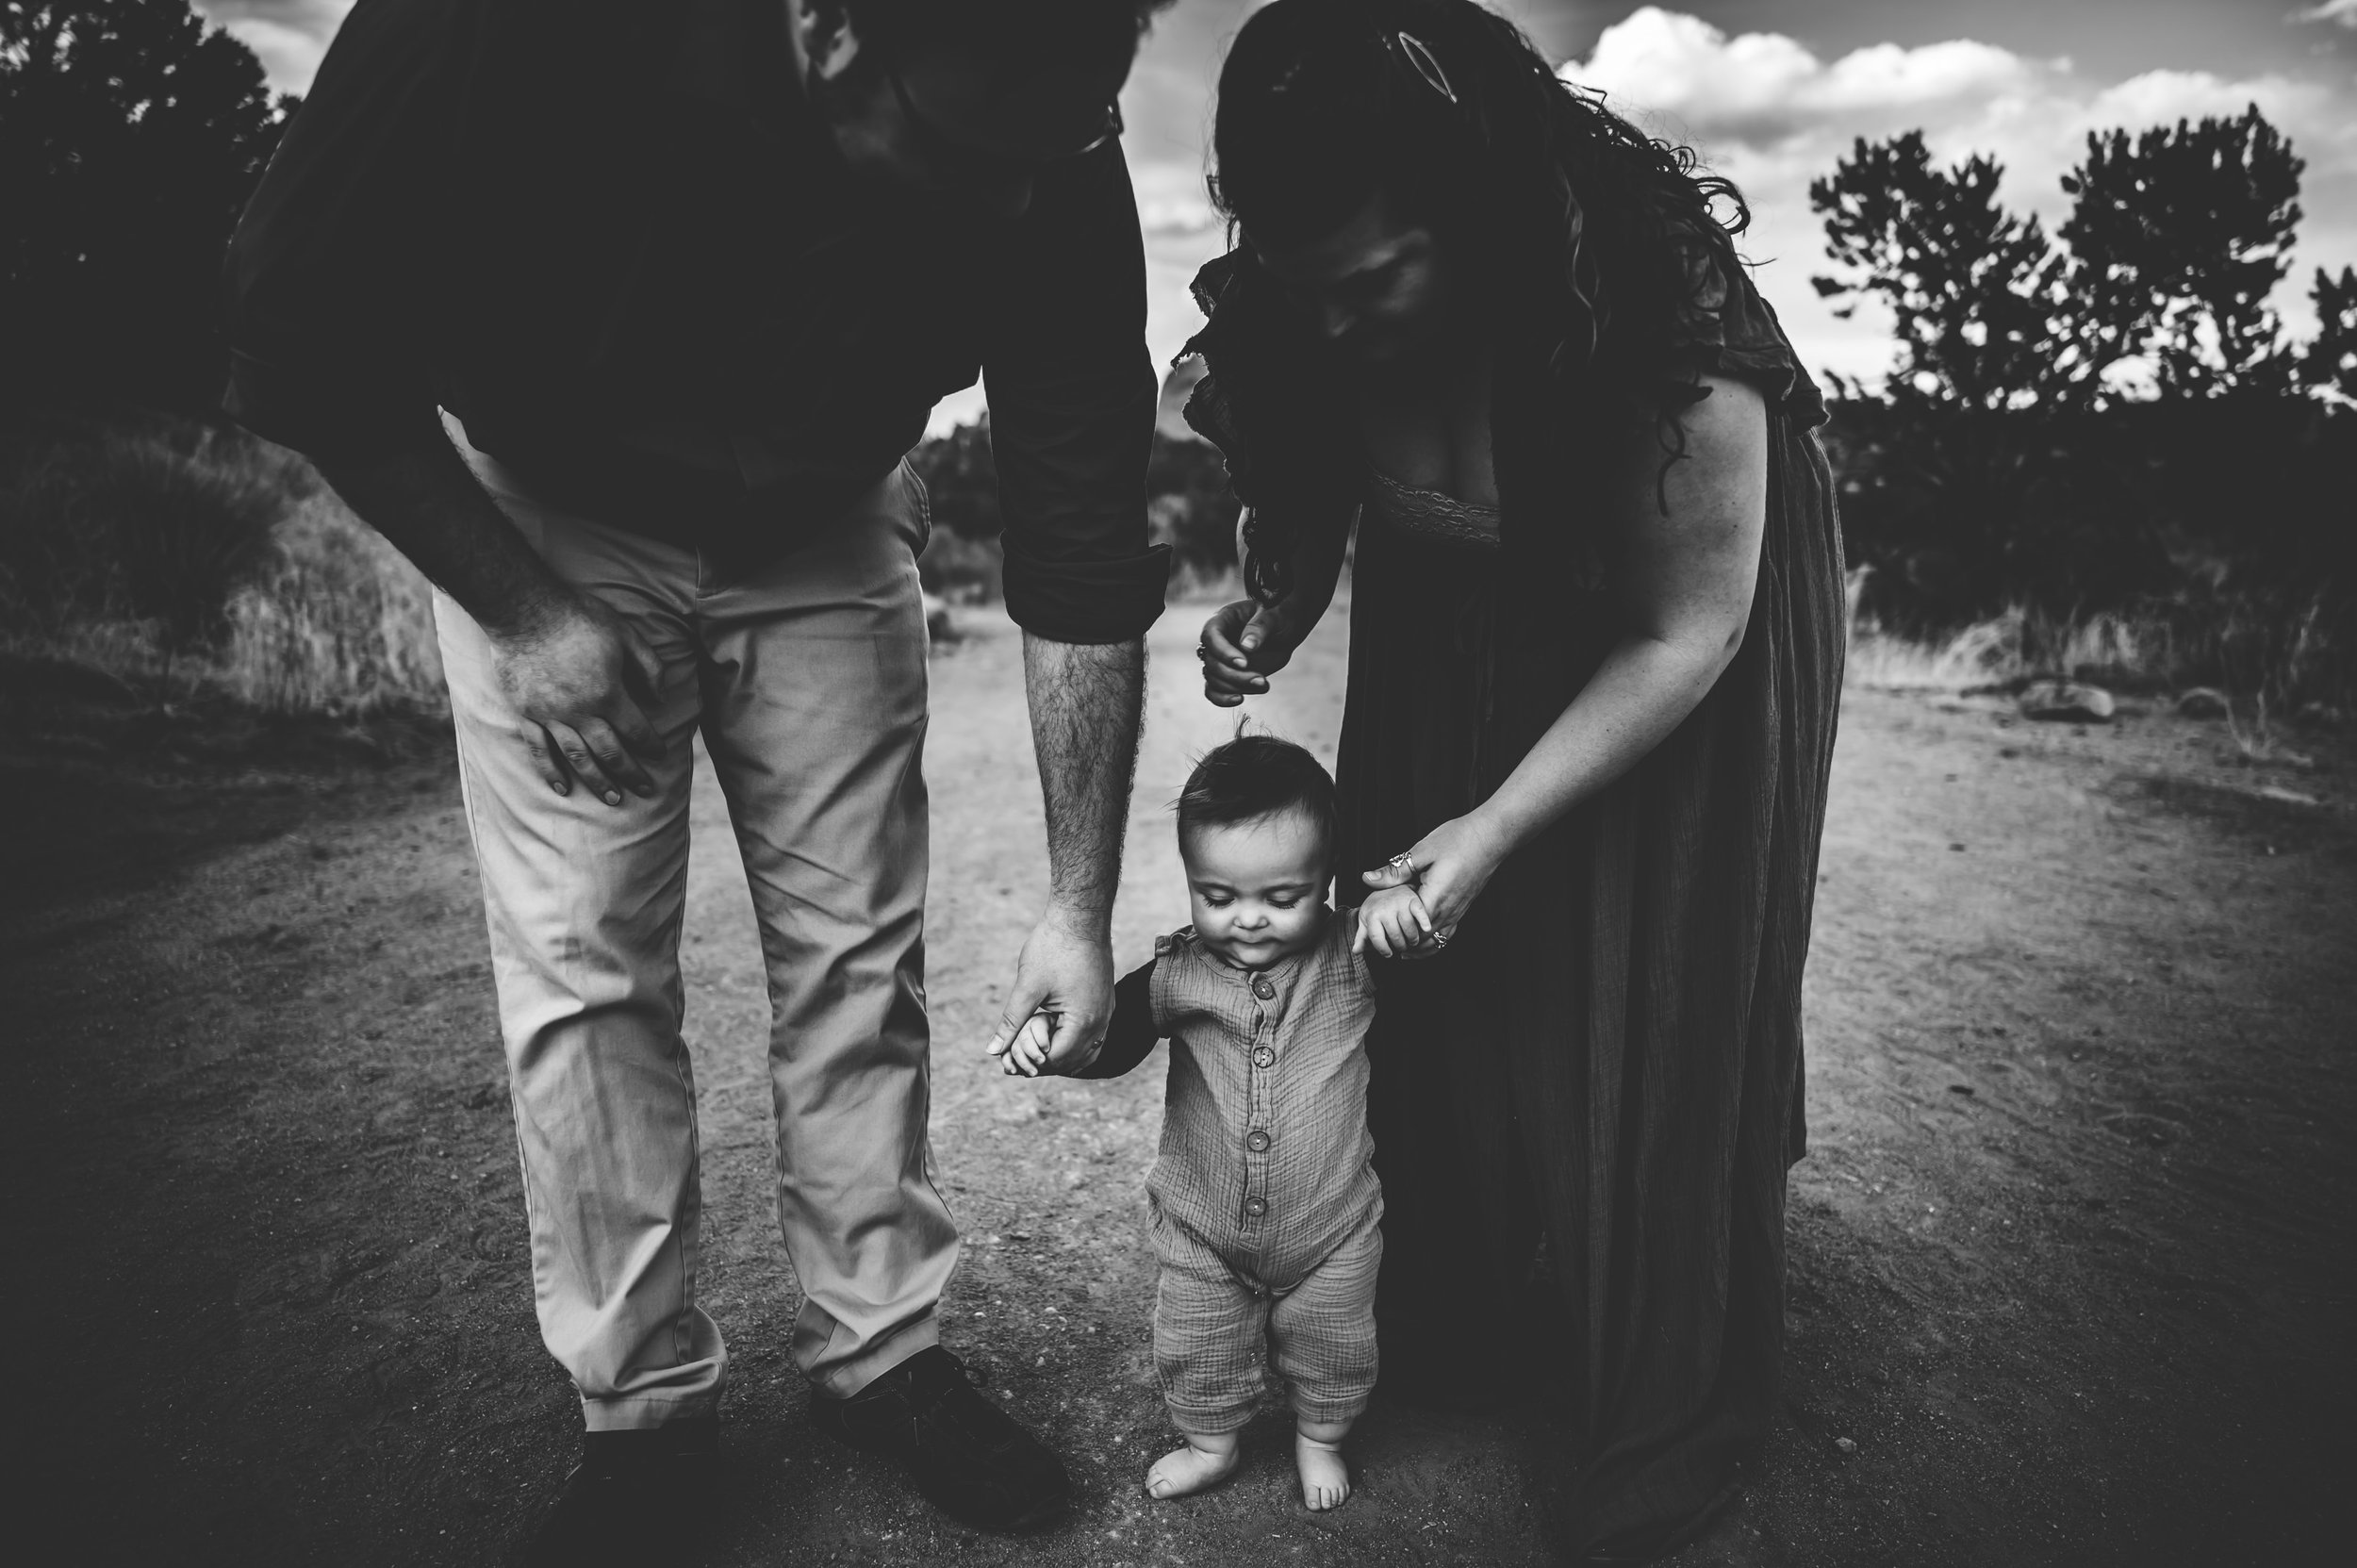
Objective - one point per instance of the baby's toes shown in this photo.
(1325, 1479)
(1186, 1471)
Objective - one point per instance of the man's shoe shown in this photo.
(633, 1494)
(971, 1459)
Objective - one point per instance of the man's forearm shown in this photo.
(428, 504)
(1085, 701)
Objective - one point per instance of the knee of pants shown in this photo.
(1329, 1362)
(1207, 1341)
(1323, 1329)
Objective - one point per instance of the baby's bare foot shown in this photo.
(1185, 1471)
(1325, 1479)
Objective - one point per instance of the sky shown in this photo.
(1771, 93)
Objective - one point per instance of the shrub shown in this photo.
(962, 568)
(179, 554)
(155, 524)
(332, 621)
(1189, 508)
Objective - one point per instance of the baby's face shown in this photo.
(1258, 887)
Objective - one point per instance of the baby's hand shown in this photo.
(1027, 1053)
(1394, 923)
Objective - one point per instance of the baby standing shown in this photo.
(1264, 1201)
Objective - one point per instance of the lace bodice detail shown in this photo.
(1430, 515)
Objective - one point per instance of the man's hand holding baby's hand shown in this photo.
(1064, 984)
(1027, 1054)
(1031, 1053)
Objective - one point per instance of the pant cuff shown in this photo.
(845, 1378)
(1213, 1423)
(1348, 1409)
(641, 1413)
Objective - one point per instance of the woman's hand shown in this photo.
(1451, 864)
(1242, 646)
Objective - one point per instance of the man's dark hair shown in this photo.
(1255, 776)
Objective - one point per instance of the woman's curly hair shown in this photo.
(1593, 239)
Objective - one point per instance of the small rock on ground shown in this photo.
(2070, 702)
(2204, 702)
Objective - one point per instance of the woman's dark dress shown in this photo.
(1585, 1108)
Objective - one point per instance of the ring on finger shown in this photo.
(1402, 865)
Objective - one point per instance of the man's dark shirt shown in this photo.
(614, 241)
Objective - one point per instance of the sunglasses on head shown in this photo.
(1418, 57)
(1404, 49)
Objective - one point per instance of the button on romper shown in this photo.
(1264, 1201)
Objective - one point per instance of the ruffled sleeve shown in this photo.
(1727, 328)
(1263, 400)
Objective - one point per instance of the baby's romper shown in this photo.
(1264, 1199)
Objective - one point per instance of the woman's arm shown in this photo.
(1249, 641)
(1687, 576)
(1688, 563)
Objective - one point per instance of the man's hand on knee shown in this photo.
(582, 680)
(577, 678)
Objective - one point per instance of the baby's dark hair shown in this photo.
(1255, 776)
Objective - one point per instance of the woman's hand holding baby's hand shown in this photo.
(1395, 924)
(1451, 864)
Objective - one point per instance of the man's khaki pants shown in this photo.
(806, 679)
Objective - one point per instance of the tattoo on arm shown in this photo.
(1085, 701)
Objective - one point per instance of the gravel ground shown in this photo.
(2070, 1267)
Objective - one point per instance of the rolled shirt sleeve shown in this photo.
(1133, 1033)
(1072, 398)
(329, 276)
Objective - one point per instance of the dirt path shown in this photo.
(2071, 1278)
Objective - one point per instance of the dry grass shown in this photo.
(2271, 661)
(2020, 643)
(1986, 654)
(335, 622)
(185, 561)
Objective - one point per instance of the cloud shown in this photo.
(1771, 114)
(2342, 11)
(289, 36)
(1764, 88)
